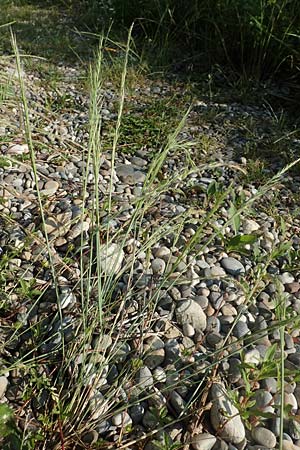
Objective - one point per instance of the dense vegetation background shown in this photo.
(257, 38)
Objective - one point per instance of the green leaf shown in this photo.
(235, 217)
(212, 189)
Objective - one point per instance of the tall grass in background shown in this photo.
(257, 38)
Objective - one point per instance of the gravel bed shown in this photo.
(192, 354)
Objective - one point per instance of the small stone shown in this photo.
(136, 413)
(217, 271)
(203, 441)
(128, 174)
(249, 226)
(264, 437)
(225, 417)
(111, 258)
(158, 266)
(269, 384)
(163, 253)
(188, 330)
(121, 419)
(264, 400)
(286, 278)
(150, 420)
(240, 329)
(18, 149)
(288, 445)
(159, 375)
(232, 266)
(292, 288)
(3, 386)
(50, 188)
(191, 312)
(50, 225)
(177, 402)
(144, 379)
(252, 357)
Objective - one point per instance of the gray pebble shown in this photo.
(177, 402)
(232, 266)
(144, 379)
(240, 329)
(203, 441)
(264, 437)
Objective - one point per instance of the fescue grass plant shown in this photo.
(72, 405)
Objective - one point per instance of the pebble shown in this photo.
(18, 149)
(232, 266)
(203, 441)
(129, 175)
(240, 329)
(264, 400)
(50, 188)
(191, 312)
(250, 226)
(158, 266)
(177, 402)
(121, 419)
(252, 357)
(288, 445)
(225, 417)
(111, 258)
(3, 385)
(144, 379)
(264, 437)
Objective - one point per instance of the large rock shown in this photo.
(225, 417)
(191, 312)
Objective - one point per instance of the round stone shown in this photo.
(264, 437)
(203, 441)
(225, 417)
(177, 402)
(191, 312)
(232, 266)
(240, 329)
(158, 266)
(50, 188)
(144, 379)
(111, 258)
(3, 385)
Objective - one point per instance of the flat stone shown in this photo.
(122, 419)
(288, 445)
(50, 188)
(144, 379)
(203, 441)
(264, 437)
(286, 278)
(293, 287)
(249, 226)
(129, 175)
(111, 258)
(158, 266)
(177, 402)
(252, 357)
(232, 266)
(3, 385)
(225, 417)
(191, 312)
(18, 149)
